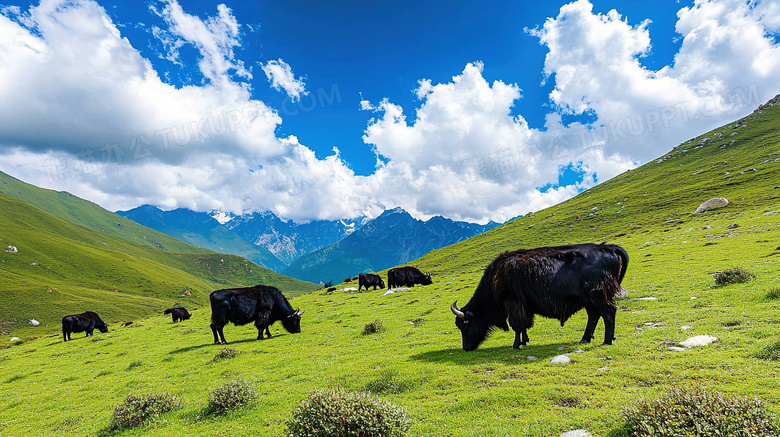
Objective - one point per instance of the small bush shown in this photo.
(225, 354)
(771, 352)
(695, 412)
(374, 327)
(732, 276)
(231, 396)
(336, 412)
(773, 293)
(134, 410)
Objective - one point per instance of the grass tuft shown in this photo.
(374, 327)
(225, 354)
(770, 352)
(773, 293)
(389, 382)
(734, 275)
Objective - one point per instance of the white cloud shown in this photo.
(280, 75)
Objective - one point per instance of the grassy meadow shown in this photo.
(49, 387)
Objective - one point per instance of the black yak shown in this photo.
(177, 314)
(553, 282)
(407, 277)
(370, 280)
(261, 304)
(84, 322)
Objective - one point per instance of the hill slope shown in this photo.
(393, 238)
(417, 361)
(62, 268)
(89, 215)
(200, 229)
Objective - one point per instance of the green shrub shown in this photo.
(732, 276)
(374, 327)
(231, 396)
(770, 352)
(389, 382)
(340, 413)
(695, 412)
(134, 410)
(225, 354)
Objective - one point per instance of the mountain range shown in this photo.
(319, 250)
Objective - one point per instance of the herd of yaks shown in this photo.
(552, 281)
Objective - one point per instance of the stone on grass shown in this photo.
(718, 202)
(560, 359)
(577, 433)
(647, 298)
(677, 348)
(699, 340)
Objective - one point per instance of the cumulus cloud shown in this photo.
(83, 111)
(280, 74)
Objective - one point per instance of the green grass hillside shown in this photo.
(62, 268)
(55, 388)
(89, 215)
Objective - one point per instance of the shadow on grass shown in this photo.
(459, 356)
(246, 340)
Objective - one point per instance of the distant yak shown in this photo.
(553, 282)
(370, 280)
(261, 304)
(407, 277)
(84, 322)
(177, 314)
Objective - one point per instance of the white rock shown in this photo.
(11, 249)
(686, 327)
(647, 298)
(560, 359)
(677, 348)
(579, 351)
(699, 340)
(14, 339)
(531, 358)
(34, 322)
(349, 289)
(389, 292)
(601, 369)
(577, 433)
(718, 202)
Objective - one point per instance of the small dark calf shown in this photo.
(84, 322)
(177, 314)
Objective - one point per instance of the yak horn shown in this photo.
(455, 310)
(298, 312)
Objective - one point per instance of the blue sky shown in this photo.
(474, 111)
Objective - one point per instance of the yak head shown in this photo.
(473, 329)
(102, 327)
(426, 280)
(292, 323)
(381, 283)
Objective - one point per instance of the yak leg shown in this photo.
(261, 323)
(218, 334)
(609, 325)
(593, 320)
(520, 326)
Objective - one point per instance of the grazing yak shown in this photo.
(407, 277)
(86, 321)
(370, 280)
(553, 282)
(261, 304)
(177, 314)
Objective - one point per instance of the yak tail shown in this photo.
(623, 259)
